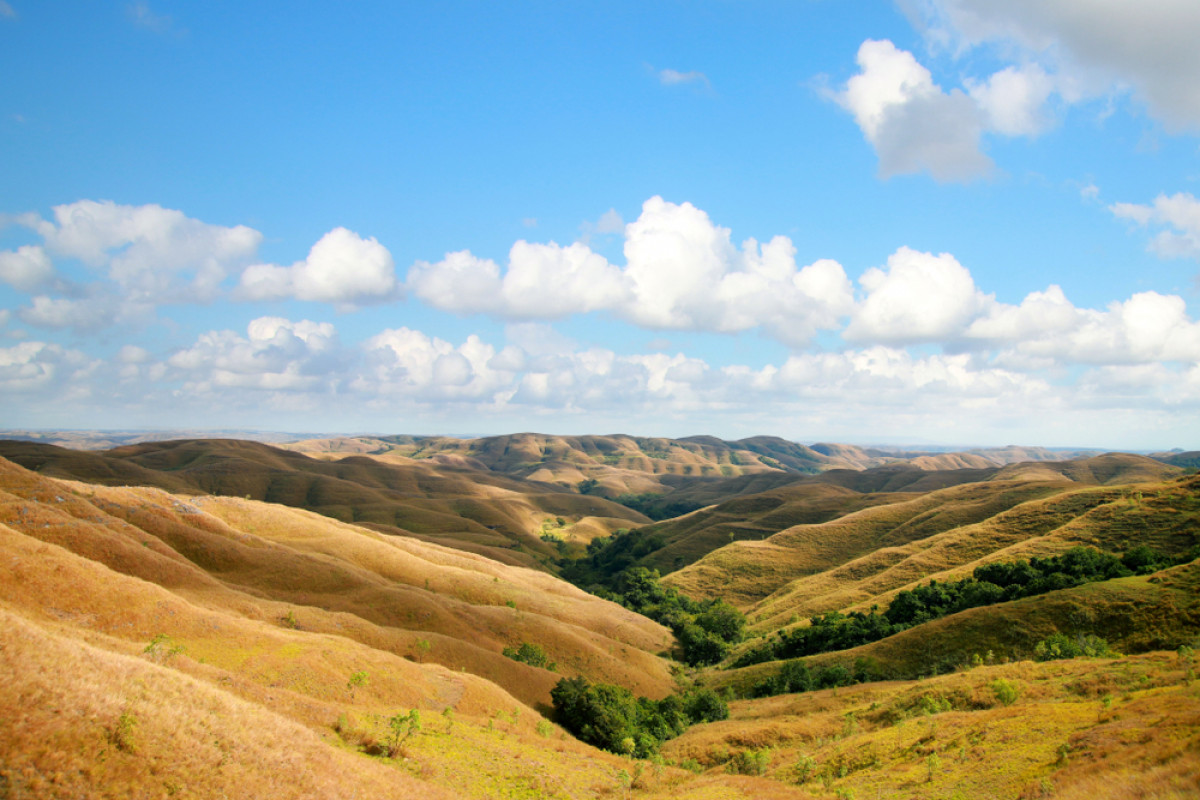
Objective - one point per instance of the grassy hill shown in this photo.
(1087, 729)
(474, 510)
(873, 538)
(622, 464)
(177, 639)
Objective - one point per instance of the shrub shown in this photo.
(804, 768)
(611, 718)
(358, 679)
(1059, 645)
(1006, 693)
(122, 733)
(160, 648)
(749, 762)
(402, 726)
(933, 763)
(530, 654)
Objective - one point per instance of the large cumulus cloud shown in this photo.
(682, 272)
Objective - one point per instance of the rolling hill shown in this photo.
(474, 510)
(166, 635)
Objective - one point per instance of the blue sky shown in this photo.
(952, 222)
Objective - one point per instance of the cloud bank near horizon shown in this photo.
(914, 338)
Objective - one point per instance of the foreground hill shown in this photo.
(1086, 729)
(470, 509)
(399, 594)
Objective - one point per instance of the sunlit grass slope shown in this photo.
(400, 595)
(1165, 516)
(751, 508)
(748, 571)
(1101, 729)
(157, 645)
(901, 537)
(469, 509)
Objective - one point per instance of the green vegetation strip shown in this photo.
(991, 584)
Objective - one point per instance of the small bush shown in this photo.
(804, 768)
(749, 762)
(122, 733)
(1059, 645)
(402, 726)
(1006, 693)
(531, 654)
(358, 679)
(161, 648)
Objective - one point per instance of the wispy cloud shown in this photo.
(7, 11)
(673, 77)
(1177, 216)
(143, 16)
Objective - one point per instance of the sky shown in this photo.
(937, 222)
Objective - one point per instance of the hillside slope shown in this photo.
(176, 644)
(469, 509)
(396, 594)
(874, 538)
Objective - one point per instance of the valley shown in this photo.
(194, 617)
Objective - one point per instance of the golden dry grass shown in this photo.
(393, 594)
(471, 508)
(1113, 727)
(275, 609)
(747, 572)
(239, 700)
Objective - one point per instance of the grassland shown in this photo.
(161, 641)
(1086, 728)
(470, 509)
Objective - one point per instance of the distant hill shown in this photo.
(631, 464)
(1187, 460)
(475, 510)
(104, 440)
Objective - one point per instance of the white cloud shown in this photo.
(88, 314)
(408, 364)
(38, 366)
(918, 297)
(26, 268)
(1093, 47)
(672, 77)
(681, 272)
(7, 11)
(913, 124)
(549, 281)
(341, 268)
(1180, 213)
(460, 283)
(1040, 314)
(610, 222)
(154, 254)
(1014, 100)
(132, 354)
(276, 355)
(1046, 330)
